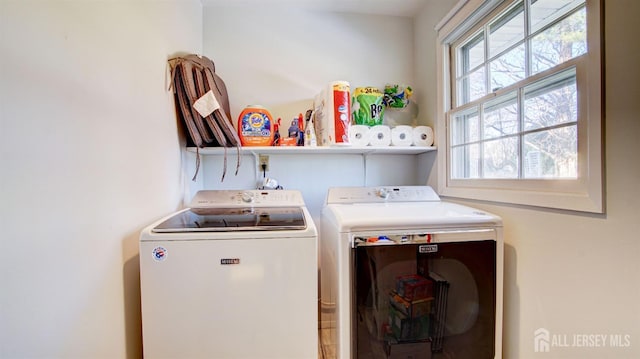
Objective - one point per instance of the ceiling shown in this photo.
(382, 7)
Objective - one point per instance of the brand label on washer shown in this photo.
(228, 261)
(428, 248)
(159, 253)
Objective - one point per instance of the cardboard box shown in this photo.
(414, 287)
(411, 309)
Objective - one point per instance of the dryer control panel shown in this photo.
(381, 194)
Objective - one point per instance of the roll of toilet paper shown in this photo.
(422, 136)
(359, 135)
(402, 136)
(380, 136)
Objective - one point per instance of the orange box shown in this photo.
(288, 141)
(413, 287)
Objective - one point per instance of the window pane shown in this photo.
(476, 87)
(559, 43)
(506, 30)
(471, 55)
(465, 162)
(544, 12)
(501, 117)
(465, 128)
(508, 68)
(472, 87)
(551, 102)
(551, 154)
(501, 158)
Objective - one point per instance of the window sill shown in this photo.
(571, 201)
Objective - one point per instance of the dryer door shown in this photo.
(424, 295)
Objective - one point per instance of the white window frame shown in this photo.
(586, 193)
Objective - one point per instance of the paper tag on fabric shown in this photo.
(206, 104)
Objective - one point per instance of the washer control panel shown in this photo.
(247, 198)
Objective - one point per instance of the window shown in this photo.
(520, 103)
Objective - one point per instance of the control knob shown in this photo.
(247, 197)
(383, 193)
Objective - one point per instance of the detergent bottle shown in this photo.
(309, 130)
(276, 133)
(255, 126)
(300, 130)
(292, 135)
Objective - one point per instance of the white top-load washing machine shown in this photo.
(233, 276)
(406, 275)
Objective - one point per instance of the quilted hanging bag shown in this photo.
(202, 105)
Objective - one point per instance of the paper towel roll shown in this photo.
(422, 136)
(380, 136)
(402, 136)
(359, 135)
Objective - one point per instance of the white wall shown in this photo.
(424, 45)
(314, 174)
(89, 155)
(281, 58)
(573, 273)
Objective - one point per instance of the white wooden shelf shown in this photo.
(320, 150)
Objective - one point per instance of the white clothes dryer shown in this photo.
(404, 274)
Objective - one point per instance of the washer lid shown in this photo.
(234, 219)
